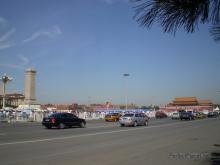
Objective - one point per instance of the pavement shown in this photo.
(163, 142)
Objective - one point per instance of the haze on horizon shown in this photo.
(81, 49)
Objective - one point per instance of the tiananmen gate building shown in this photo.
(188, 103)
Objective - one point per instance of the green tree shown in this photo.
(175, 14)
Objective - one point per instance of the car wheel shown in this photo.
(135, 124)
(82, 125)
(61, 126)
(122, 125)
(146, 123)
(48, 127)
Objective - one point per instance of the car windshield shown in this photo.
(55, 115)
(128, 115)
(181, 111)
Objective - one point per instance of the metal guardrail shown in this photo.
(38, 116)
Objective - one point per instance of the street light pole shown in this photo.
(126, 97)
(218, 91)
(4, 80)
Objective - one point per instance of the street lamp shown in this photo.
(89, 99)
(126, 97)
(4, 80)
(218, 91)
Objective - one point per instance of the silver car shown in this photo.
(175, 115)
(134, 119)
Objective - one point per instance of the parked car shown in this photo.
(200, 115)
(134, 119)
(186, 116)
(218, 111)
(63, 120)
(205, 112)
(213, 114)
(112, 117)
(175, 115)
(160, 114)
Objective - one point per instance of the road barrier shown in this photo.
(36, 116)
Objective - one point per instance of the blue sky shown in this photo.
(82, 48)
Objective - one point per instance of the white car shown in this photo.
(175, 115)
(133, 119)
(205, 112)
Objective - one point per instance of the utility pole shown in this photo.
(126, 97)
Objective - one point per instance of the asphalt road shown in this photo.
(164, 141)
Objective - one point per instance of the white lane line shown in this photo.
(86, 135)
(118, 124)
(98, 133)
(157, 121)
(104, 126)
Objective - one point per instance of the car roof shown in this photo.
(60, 113)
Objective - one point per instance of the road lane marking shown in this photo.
(118, 124)
(2, 134)
(104, 126)
(91, 134)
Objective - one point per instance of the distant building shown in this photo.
(75, 106)
(205, 103)
(185, 101)
(188, 103)
(13, 99)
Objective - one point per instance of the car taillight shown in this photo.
(53, 120)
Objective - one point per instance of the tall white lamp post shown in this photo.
(126, 97)
(4, 80)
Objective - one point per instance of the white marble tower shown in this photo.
(30, 97)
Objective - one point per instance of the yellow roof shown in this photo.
(183, 99)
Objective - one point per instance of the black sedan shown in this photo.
(213, 114)
(186, 116)
(63, 120)
(160, 114)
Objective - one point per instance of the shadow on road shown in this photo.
(215, 156)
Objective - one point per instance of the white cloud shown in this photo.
(6, 45)
(24, 61)
(54, 31)
(11, 66)
(114, 1)
(7, 35)
(2, 21)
